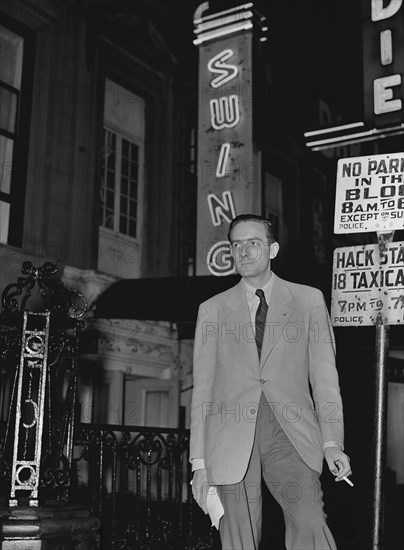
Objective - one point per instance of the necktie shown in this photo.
(260, 318)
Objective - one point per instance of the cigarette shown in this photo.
(348, 481)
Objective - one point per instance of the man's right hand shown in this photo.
(200, 488)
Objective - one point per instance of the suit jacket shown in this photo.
(296, 372)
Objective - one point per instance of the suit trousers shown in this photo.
(294, 485)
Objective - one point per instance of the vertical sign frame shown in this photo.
(229, 166)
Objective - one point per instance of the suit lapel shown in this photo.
(239, 316)
(280, 309)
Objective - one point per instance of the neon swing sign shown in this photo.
(224, 113)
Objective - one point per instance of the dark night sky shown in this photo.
(314, 45)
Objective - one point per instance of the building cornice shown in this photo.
(33, 13)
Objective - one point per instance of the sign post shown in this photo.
(380, 416)
(368, 281)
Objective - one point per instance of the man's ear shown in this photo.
(273, 250)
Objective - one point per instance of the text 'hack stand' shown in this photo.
(368, 280)
(40, 324)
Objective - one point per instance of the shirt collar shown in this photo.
(250, 290)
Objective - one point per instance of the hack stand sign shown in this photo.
(368, 285)
(368, 280)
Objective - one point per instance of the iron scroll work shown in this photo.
(40, 324)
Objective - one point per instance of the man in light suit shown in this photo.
(266, 400)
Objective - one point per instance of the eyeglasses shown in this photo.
(249, 244)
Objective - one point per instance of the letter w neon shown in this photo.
(224, 112)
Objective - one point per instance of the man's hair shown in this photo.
(253, 218)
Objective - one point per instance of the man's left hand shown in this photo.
(338, 462)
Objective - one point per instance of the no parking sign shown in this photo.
(370, 194)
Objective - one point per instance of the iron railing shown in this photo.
(40, 325)
(137, 481)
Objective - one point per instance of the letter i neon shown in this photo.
(223, 158)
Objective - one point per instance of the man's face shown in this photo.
(251, 250)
